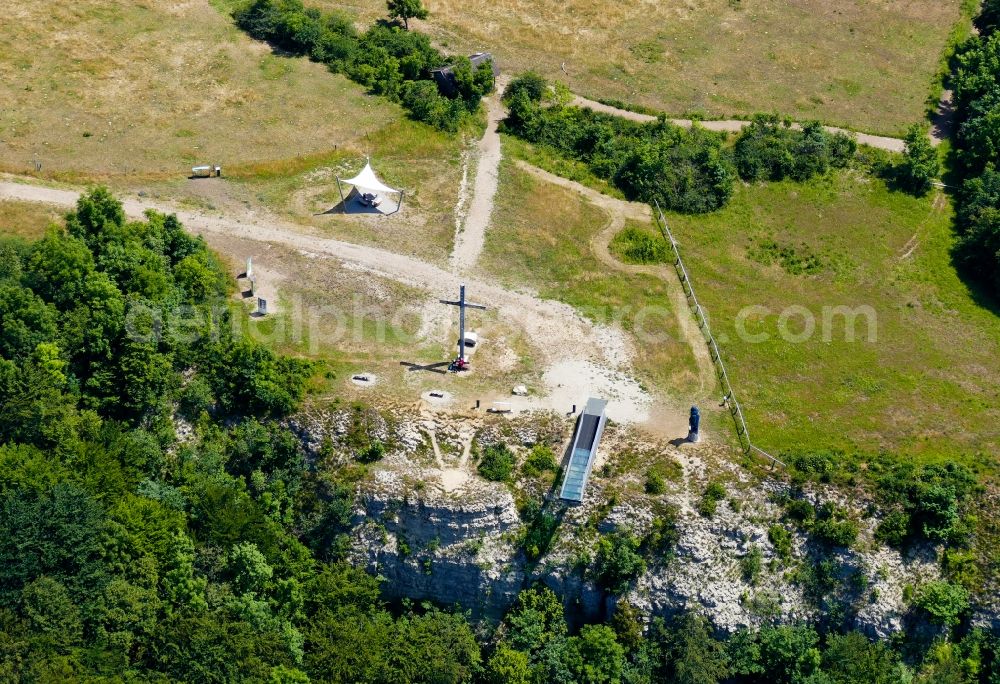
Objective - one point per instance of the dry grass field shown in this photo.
(865, 64)
(27, 220)
(99, 88)
(134, 94)
(425, 163)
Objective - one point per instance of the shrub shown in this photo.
(637, 246)
(800, 511)
(751, 564)
(683, 170)
(618, 562)
(540, 460)
(663, 535)
(852, 657)
(714, 493)
(934, 509)
(770, 149)
(529, 85)
(943, 601)
(835, 532)
(195, 398)
(893, 529)
(930, 498)
(655, 484)
(539, 535)
(920, 162)
(832, 527)
(426, 104)
(372, 453)
(497, 462)
(387, 59)
(781, 539)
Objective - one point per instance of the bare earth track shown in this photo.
(469, 240)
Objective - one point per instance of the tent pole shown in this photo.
(341, 191)
(402, 194)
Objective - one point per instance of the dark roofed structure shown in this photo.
(445, 77)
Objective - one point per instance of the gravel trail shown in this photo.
(469, 239)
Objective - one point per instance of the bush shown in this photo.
(387, 59)
(529, 85)
(250, 379)
(714, 493)
(618, 562)
(683, 170)
(920, 165)
(930, 498)
(372, 453)
(497, 462)
(781, 539)
(770, 149)
(751, 564)
(195, 398)
(943, 601)
(655, 484)
(835, 532)
(426, 104)
(636, 246)
(800, 511)
(540, 460)
(538, 537)
(832, 527)
(663, 534)
(893, 529)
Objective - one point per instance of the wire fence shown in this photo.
(729, 396)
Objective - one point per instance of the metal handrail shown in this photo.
(742, 432)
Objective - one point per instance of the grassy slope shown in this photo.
(27, 220)
(867, 65)
(159, 86)
(927, 385)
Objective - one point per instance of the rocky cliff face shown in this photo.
(449, 550)
(436, 531)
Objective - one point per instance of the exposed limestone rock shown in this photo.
(437, 547)
(455, 540)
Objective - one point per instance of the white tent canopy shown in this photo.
(367, 180)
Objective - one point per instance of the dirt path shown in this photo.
(943, 121)
(735, 125)
(469, 238)
(618, 211)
